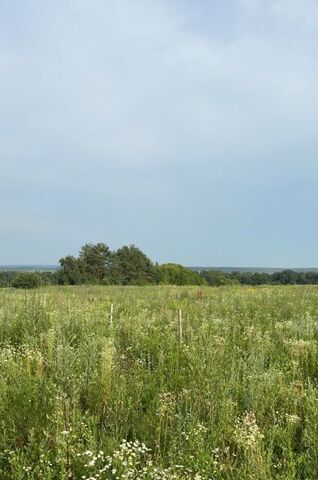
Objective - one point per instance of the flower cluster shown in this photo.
(292, 419)
(124, 463)
(247, 433)
(167, 404)
(132, 461)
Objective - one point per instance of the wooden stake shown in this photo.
(111, 314)
(148, 361)
(180, 323)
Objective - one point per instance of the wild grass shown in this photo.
(237, 398)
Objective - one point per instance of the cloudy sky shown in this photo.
(189, 128)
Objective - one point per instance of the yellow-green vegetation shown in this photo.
(235, 398)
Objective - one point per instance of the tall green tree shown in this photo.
(71, 271)
(96, 260)
(130, 266)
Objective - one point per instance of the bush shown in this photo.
(175, 274)
(216, 279)
(26, 280)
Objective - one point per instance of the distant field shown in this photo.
(235, 398)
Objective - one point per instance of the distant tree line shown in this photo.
(126, 266)
(27, 279)
(97, 264)
(285, 277)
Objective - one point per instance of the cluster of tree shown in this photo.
(216, 278)
(285, 277)
(6, 278)
(27, 279)
(126, 266)
(97, 264)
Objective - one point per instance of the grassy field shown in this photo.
(235, 398)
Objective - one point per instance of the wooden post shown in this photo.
(180, 324)
(111, 314)
(148, 361)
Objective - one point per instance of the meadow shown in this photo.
(85, 398)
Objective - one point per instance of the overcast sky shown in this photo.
(189, 128)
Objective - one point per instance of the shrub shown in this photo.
(26, 280)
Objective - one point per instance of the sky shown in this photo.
(185, 127)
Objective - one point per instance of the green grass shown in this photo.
(237, 398)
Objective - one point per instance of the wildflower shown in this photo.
(292, 419)
(247, 433)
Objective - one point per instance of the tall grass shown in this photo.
(83, 399)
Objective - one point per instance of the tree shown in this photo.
(95, 260)
(286, 277)
(26, 280)
(130, 266)
(6, 278)
(71, 271)
(215, 278)
(174, 274)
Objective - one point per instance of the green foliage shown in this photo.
(91, 266)
(6, 278)
(71, 271)
(174, 274)
(48, 278)
(286, 277)
(216, 279)
(26, 280)
(97, 264)
(130, 266)
(236, 399)
(95, 260)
